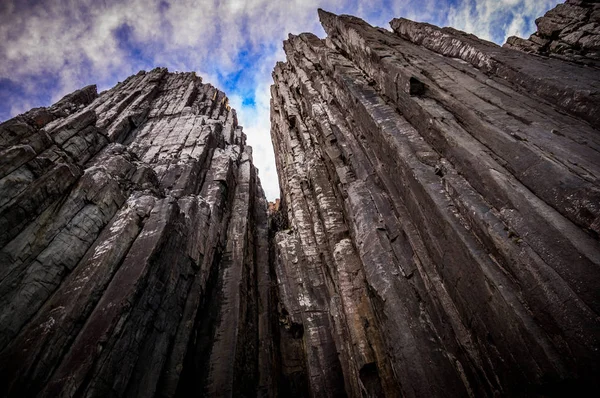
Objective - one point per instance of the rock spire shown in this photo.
(443, 204)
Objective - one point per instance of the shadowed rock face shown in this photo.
(443, 210)
(134, 238)
(437, 235)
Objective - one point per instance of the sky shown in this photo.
(49, 48)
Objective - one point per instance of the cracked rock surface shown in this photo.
(437, 234)
(441, 214)
(129, 262)
(570, 31)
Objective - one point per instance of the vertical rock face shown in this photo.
(437, 235)
(133, 236)
(440, 215)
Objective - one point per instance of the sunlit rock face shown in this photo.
(441, 214)
(133, 240)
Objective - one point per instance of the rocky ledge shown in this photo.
(570, 31)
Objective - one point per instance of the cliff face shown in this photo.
(442, 204)
(437, 235)
(133, 235)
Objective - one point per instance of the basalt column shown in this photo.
(133, 233)
(441, 214)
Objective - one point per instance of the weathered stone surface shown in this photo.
(133, 244)
(437, 234)
(439, 217)
(570, 31)
(572, 88)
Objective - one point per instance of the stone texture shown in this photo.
(133, 242)
(437, 234)
(573, 89)
(438, 229)
(570, 31)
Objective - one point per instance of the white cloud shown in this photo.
(496, 20)
(76, 43)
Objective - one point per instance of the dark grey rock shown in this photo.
(442, 206)
(437, 234)
(570, 31)
(122, 214)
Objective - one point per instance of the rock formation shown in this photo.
(443, 204)
(437, 234)
(570, 31)
(134, 233)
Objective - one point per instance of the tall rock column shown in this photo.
(129, 228)
(443, 210)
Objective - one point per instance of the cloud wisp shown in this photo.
(50, 48)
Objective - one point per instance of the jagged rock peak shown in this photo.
(133, 232)
(440, 200)
(570, 31)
